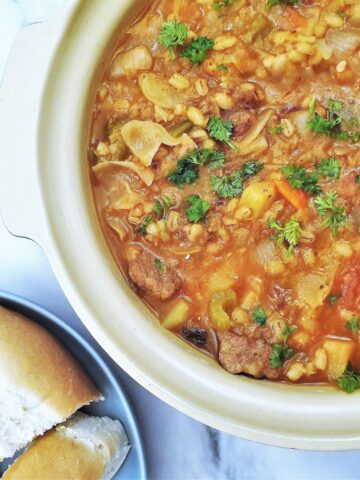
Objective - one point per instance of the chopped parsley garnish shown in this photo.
(228, 186)
(331, 125)
(186, 171)
(350, 380)
(198, 208)
(299, 178)
(329, 167)
(357, 179)
(250, 169)
(213, 158)
(279, 354)
(334, 215)
(333, 298)
(353, 325)
(161, 266)
(173, 33)
(335, 105)
(259, 316)
(221, 130)
(277, 130)
(223, 67)
(220, 4)
(158, 208)
(143, 226)
(197, 50)
(290, 233)
(287, 331)
(283, 3)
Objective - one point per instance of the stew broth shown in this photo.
(225, 166)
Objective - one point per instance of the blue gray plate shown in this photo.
(115, 405)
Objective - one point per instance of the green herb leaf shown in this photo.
(161, 266)
(277, 130)
(357, 179)
(173, 33)
(197, 50)
(223, 67)
(158, 208)
(350, 380)
(143, 226)
(333, 298)
(324, 126)
(198, 209)
(283, 3)
(214, 158)
(228, 186)
(221, 130)
(220, 4)
(329, 167)
(279, 354)
(287, 331)
(185, 173)
(353, 325)
(290, 232)
(250, 169)
(335, 105)
(259, 316)
(335, 215)
(299, 178)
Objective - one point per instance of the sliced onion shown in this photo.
(343, 42)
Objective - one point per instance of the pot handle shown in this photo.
(21, 93)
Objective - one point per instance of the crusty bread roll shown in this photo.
(41, 385)
(84, 448)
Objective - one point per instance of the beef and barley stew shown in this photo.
(225, 163)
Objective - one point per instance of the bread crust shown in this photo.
(33, 361)
(54, 456)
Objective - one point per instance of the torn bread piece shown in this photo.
(82, 448)
(41, 385)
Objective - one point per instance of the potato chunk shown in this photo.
(258, 197)
(338, 355)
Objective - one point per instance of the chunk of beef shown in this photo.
(242, 119)
(247, 98)
(247, 349)
(152, 276)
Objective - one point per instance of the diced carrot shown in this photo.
(297, 198)
(295, 17)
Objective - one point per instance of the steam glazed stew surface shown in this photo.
(225, 163)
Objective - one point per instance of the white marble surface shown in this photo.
(177, 447)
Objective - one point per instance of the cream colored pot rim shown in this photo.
(47, 197)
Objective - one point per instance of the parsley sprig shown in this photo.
(331, 125)
(259, 316)
(353, 325)
(329, 167)
(287, 331)
(173, 33)
(289, 233)
(143, 226)
(186, 171)
(198, 208)
(334, 214)
(299, 178)
(279, 353)
(197, 50)
(221, 130)
(232, 185)
(350, 380)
